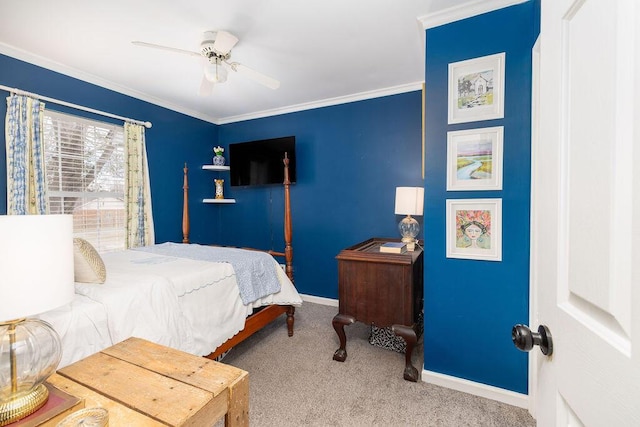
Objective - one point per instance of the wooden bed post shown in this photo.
(185, 206)
(288, 250)
(256, 321)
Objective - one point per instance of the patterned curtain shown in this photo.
(26, 184)
(137, 189)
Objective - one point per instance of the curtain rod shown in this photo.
(77, 107)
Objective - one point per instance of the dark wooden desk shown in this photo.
(381, 289)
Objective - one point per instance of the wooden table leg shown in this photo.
(410, 337)
(339, 322)
(238, 412)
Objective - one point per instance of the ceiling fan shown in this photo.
(216, 49)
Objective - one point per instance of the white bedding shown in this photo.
(186, 304)
(82, 326)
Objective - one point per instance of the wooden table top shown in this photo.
(145, 384)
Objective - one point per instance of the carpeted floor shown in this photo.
(295, 382)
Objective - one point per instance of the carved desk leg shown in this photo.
(339, 322)
(409, 335)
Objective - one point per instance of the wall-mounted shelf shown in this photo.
(215, 168)
(219, 169)
(218, 200)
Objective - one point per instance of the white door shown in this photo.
(586, 214)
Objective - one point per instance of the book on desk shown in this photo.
(393, 247)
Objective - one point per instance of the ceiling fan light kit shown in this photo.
(215, 72)
(216, 49)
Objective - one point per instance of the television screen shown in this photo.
(260, 162)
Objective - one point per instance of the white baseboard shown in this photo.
(320, 300)
(477, 389)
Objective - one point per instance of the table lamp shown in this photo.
(36, 275)
(409, 201)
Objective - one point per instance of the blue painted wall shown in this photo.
(470, 306)
(350, 158)
(174, 139)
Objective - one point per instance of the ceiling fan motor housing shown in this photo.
(206, 48)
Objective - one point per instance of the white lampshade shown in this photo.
(36, 275)
(36, 264)
(409, 200)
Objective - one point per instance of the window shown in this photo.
(85, 177)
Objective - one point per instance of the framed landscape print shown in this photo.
(476, 89)
(474, 229)
(474, 159)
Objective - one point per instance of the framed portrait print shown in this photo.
(476, 89)
(474, 159)
(474, 229)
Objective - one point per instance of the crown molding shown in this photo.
(90, 78)
(452, 14)
(463, 11)
(361, 96)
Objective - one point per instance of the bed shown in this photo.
(196, 298)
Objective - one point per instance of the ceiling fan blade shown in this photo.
(224, 42)
(267, 81)
(206, 87)
(170, 49)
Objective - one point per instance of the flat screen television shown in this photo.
(260, 162)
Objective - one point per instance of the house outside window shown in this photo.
(85, 177)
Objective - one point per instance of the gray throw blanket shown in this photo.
(255, 271)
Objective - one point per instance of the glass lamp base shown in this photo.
(31, 350)
(409, 229)
(23, 405)
(411, 245)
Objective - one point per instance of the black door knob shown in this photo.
(524, 339)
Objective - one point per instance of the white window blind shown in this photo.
(85, 177)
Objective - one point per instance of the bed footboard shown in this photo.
(266, 315)
(254, 323)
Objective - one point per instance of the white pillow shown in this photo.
(88, 265)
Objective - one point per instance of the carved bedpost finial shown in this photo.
(286, 168)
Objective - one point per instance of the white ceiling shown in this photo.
(322, 51)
